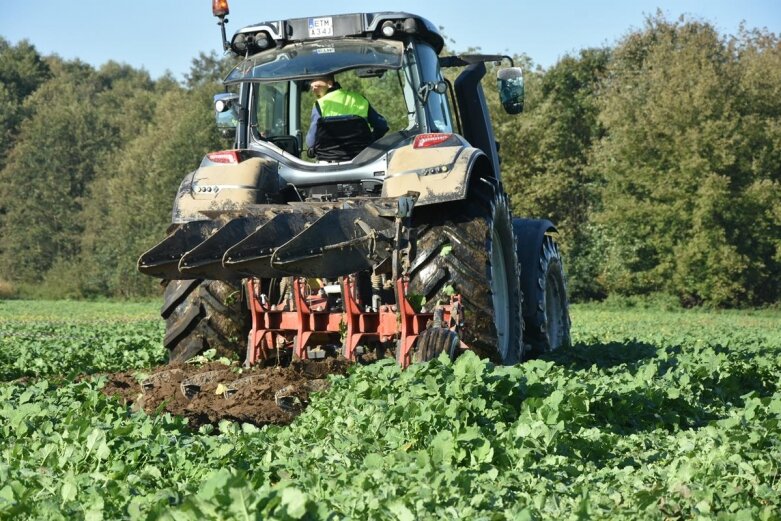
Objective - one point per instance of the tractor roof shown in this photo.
(392, 25)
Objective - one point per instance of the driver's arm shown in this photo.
(378, 123)
(310, 134)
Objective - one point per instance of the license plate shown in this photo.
(321, 27)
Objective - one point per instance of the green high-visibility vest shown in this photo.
(342, 102)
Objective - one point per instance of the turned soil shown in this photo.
(212, 392)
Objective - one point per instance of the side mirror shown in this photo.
(510, 83)
(226, 110)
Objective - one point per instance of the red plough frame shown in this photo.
(310, 325)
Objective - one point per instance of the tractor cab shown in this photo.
(274, 87)
(392, 59)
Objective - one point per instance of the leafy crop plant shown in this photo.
(652, 415)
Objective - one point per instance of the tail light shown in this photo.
(430, 140)
(225, 156)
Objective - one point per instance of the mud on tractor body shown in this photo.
(405, 247)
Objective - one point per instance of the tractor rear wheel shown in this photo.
(203, 314)
(468, 248)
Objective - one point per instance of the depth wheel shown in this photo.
(434, 341)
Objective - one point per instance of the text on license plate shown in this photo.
(321, 27)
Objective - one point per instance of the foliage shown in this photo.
(22, 71)
(76, 119)
(651, 414)
(549, 175)
(133, 197)
(208, 69)
(60, 339)
(658, 159)
(56, 155)
(7, 290)
(690, 165)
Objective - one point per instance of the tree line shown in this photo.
(659, 158)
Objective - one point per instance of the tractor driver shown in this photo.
(333, 100)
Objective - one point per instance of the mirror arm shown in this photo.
(423, 92)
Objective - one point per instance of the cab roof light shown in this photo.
(220, 8)
(224, 156)
(262, 40)
(411, 26)
(430, 140)
(248, 42)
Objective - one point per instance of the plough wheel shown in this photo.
(434, 341)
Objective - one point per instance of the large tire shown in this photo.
(203, 314)
(548, 328)
(468, 248)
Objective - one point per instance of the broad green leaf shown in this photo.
(69, 488)
(294, 502)
(401, 512)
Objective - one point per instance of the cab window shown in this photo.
(437, 106)
(270, 106)
(384, 92)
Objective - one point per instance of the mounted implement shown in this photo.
(398, 244)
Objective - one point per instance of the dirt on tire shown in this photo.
(209, 393)
(453, 255)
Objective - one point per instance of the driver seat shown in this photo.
(341, 138)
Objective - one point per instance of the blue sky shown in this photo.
(166, 34)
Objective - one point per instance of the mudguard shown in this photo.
(438, 174)
(224, 187)
(529, 235)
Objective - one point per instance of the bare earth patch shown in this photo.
(206, 394)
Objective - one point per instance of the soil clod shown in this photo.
(157, 378)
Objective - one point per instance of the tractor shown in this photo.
(401, 246)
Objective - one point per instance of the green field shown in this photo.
(652, 414)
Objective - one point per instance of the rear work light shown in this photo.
(225, 156)
(430, 140)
